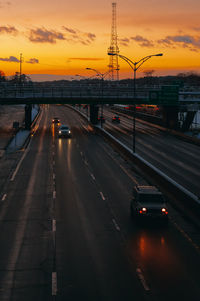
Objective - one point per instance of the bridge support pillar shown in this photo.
(28, 117)
(170, 116)
(94, 114)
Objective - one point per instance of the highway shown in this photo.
(176, 158)
(66, 231)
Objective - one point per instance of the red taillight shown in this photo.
(164, 211)
(143, 210)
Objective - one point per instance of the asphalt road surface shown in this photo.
(176, 158)
(66, 232)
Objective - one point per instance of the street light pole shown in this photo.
(102, 75)
(134, 66)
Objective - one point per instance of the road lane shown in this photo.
(25, 236)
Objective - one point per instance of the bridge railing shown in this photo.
(84, 93)
(26, 92)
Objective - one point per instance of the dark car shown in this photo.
(101, 119)
(64, 131)
(56, 120)
(148, 203)
(116, 119)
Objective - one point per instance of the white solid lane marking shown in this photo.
(102, 196)
(92, 176)
(141, 277)
(116, 225)
(54, 225)
(186, 236)
(4, 197)
(54, 283)
(19, 164)
(54, 194)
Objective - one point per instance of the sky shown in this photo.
(60, 39)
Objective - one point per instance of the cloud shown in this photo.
(8, 29)
(85, 59)
(42, 35)
(12, 59)
(70, 30)
(124, 41)
(196, 28)
(143, 42)
(184, 41)
(32, 61)
(4, 3)
(91, 36)
(78, 36)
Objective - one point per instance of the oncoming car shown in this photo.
(148, 203)
(64, 131)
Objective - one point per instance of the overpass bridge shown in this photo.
(168, 97)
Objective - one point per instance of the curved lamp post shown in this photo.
(135, 66)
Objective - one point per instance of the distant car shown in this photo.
(148, 203)
(116, 119)
(56, 120)
(64, 131)
(101, 119)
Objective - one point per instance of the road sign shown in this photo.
(169, 94)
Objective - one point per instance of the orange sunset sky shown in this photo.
(62, 38)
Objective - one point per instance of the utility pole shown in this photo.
(114, 49)
(20, 70)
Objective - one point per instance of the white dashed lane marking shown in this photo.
(93, 177)
(141, 277)
(54, 225)
(54, 283)
(4, 197)
(116, 225)
(102, 196)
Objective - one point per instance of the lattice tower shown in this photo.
(114, 49)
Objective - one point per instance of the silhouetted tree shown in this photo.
(2, 76)
(17, 79)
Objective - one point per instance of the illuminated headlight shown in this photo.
(164, 210)
(59, 132)
(69, 132)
